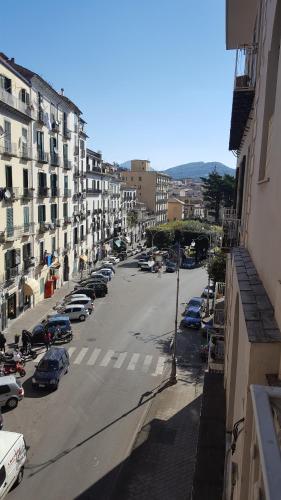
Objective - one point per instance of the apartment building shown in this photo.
(176, 209)
(152, 187)
(253, 293)
(41, 146)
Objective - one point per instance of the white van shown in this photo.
(12, 460)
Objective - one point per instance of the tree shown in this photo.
(213, 193)
(218, 191)
(132, 218)
(216, 268)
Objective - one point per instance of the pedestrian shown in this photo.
(2, 342)
(24, 339)
(47, 339)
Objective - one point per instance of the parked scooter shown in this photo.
(60, 336)
(11, 367)
(28, 353)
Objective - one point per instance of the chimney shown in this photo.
(62, 91)
(12, 60)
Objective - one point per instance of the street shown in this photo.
(79, 435)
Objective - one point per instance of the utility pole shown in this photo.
(173, 374)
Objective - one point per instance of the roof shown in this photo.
(176, 200)
(240, 22)
(8, 439)
(52, 353)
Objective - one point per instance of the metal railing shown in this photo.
(15, 103)
(12, 233)
(42, 157)
(43, 191)
(12, 273)
(66, 220)
(9, 148)
(93, 191)
(66, 133)
(26, 152)
(54, 192)
(67, 193)
(67, 164)
(54, 160)
(43, 227)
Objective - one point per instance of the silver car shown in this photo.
(75, 311)
(11, 391)
(85, 301)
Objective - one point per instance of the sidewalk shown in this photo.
(31, 317)
(162, 463)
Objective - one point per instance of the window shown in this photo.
(25, 178)
(65, 240)
(10, 221)
(24, 96)
(54, 113)
(7, 135)
(9, 177)
(65, 152)
(41, 213)
(75, 236)
(53, 244)
(54, 182)
(26, 217)
(6, 83)
(41, 258)
(65, 210)
(140, 179)
(42, 285)
(40, 142)
(42, 180)
(54, 212)
(64, 123)
(26, 252)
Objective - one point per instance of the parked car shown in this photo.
(51, 368)
(93, 279)
(196, 302)
(85, 301)
(188, 263)
(106, 272)
(211, 292)
(89, 292)
(123, 255)
(193, 318)
(147, 266)
(50, 325)
(100, 289)
(76, 296)
(171, 267)
(1, 420)
(113, 259)
(106, 266)
(76, 311)
(11, 391)
(142, 261)
(12, 460)
(100, 274)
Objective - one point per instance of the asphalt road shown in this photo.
(79, 435)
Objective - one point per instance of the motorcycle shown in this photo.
(62, 337)
(11, 367)
(28, 353)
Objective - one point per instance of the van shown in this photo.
(76, 311)
(51, 368)
(11, 391)
(12, 460)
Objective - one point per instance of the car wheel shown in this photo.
(82, 317)
(12, 403)
(20, 476)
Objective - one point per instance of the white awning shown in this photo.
(31, 287)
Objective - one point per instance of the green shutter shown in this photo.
(26, 217)
(10, 221)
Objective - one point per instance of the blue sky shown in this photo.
(152, 77)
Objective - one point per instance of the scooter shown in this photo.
(13, 367)
(28, 353)
(62, 337)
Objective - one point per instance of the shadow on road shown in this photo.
(129, 265)
(30, 392)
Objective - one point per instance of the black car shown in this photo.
(84, 290)
(100, 289)
(122, 255)
(93, 279)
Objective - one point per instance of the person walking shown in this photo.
(25, 341)
(47, 339)
(2, 342)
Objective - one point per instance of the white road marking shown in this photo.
(120, 360)
(160, 366)
(147, 362)
(71, 351)
(93, 358)
(81, 355)
(133, 362)
(107, 358)
(39, 357)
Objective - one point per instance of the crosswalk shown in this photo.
(129, 361)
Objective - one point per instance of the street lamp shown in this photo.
(173, 374)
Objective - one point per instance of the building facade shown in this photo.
(253, 292)
(175, 209)
(151, 187)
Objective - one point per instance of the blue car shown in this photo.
(192, 319)
(188, 263)
(51, 368)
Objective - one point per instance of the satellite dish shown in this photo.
(7, 194)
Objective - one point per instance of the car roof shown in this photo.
(59, 317)
(200, 299)
(80, 297)
(194, 309)
(8, 379)
(54, 353)
(68, 306)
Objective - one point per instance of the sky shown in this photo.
(152, 77)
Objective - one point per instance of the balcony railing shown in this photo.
(67, 164)
(43, 192)
(28, 263)
(55, 160)
(66, 133)
(8, 148)
(26, 152)
(67, 193)
(12, 273)
(13, 102)
(55, 126)
(93, 191)
(43, 227)
(40, 117)
(67, 220)
(12, 233)
(54, 192)
(42, 157)
(216, 354)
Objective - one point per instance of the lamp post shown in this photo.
(173, 374)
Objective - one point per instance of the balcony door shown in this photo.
(7, 136)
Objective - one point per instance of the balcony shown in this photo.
(43, 227)
(12, 273)
(67, 193)
(93, 191)
(26, 152)
(55, 160)
(55, 192)
(115, 195)
(231, 227)
(42, 157)
(27, 193)
(40, 117)
(67, 164)
(55, 126)
(28, 263)
(43, 192)
(12, 102)
(243, 97)
(9, 148)
(66, 133)
(66, 221)
(16, 232)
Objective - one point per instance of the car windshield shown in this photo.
(193, 314)
(47, 366)
(193, 302)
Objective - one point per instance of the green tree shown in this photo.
(216, 268)
(228, 188)
(132, 218)
(213, 192)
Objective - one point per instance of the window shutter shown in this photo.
(26, 216)
(10, 221)
(17, 256)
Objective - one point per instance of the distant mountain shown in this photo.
(198, 169)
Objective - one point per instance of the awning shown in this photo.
(31, 287)
(84, 258)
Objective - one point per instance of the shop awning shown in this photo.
(84, 258)
(31, 287)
